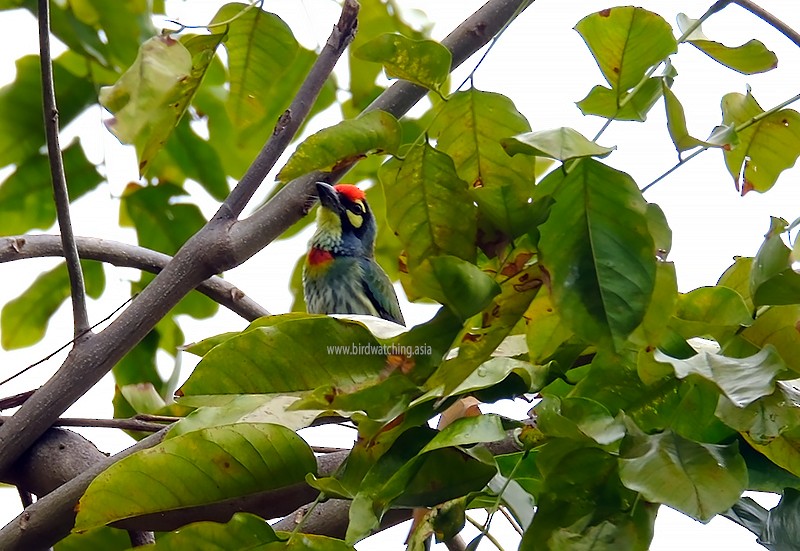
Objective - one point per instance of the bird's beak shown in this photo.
(329, 197)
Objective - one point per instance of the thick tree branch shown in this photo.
(61, 195)
(52, 517)
(130, 256)
(123, 424)
(292, 202)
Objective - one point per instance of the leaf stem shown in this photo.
(77, 291)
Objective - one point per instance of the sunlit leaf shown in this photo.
(700, 480)
(468, 430)
(23, 321)
(124, 25)
(772, 279)
(431, 210)
(373, 132)
(749, 58)
(604, 102)
(578, 418)
(423, 62)
(561, 144)
(766, 147)
(194, 469)
(468, 127)
(777, 326)
(743, 380)
(598, 252)
(259, 361)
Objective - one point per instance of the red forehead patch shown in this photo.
(350, 191)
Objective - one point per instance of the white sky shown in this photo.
(544, 67)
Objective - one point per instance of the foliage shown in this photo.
(549, 265)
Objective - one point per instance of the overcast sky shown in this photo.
(544, 67)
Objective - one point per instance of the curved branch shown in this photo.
(21, 247)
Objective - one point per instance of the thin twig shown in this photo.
(77, 291)
(20, 247)
(487, 535)
(59, 349)
(289, 123)
(123, 424)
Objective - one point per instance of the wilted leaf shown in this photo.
(676, 124)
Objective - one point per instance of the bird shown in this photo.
(340, 273)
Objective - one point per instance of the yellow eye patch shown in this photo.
(355, 219)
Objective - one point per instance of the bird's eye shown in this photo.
(358, 208)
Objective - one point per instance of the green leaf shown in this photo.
(676, 124)
(469, 127)
(700, 480)
(625, 42)
(278, 359)
(743, 380)
(376, 131)
(546, 331)
(423, 62)
(247, 408)
(766, 418)
(772, 279)
(598, 252)
(375, 18)
(456, 283)
(766, 148)
(21, 121)
(782, 528)
(194, 469)
(243, 531)
(749, 58)
(24, 320)
(468, 430)
(149, 99)
(26, 196)
(777, 327)
(261, 48)
(561, 144)
(432, 212)
(605, 102)
(124, 26)
(520, 280)
(737, 277)
(783, 451)
(710, 311)
(578, 418)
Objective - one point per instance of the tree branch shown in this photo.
(61, 195)
(130, 256)
(123, 424)
(767, 17)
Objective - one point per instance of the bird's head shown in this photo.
(345, 224)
